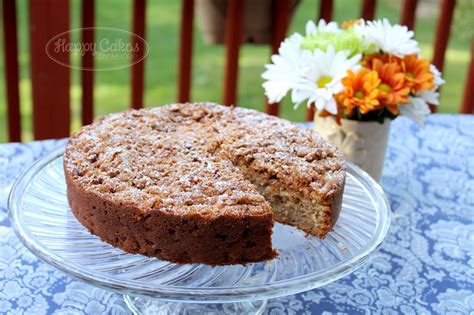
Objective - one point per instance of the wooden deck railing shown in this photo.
(87, 75)
(51, 81)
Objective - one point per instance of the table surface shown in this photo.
(425, 265)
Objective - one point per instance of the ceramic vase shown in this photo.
(363, 143)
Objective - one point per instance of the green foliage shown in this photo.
(345, 40)
(464, 19)
(378, 115)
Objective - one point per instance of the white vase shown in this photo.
(361, 142)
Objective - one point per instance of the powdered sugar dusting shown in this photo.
(187, 157)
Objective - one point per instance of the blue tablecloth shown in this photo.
(426, 264)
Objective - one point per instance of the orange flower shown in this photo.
(417, 73)
(393, 89)
(367, 60)
(360, 90)
(349, 23)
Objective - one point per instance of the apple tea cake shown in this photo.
(201, 183)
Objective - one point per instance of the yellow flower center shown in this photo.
(385, 88)
(359, 94)
(410, 75)
(323, 81)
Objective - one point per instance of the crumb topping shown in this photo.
(188, 157)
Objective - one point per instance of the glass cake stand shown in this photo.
(43, 221)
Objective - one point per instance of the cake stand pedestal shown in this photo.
(43, 221)
(140, 305)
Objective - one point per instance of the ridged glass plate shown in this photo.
(44, 222)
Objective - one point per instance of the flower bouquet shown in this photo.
(359, 77)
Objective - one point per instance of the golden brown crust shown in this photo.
(168, 182)
(188, 238)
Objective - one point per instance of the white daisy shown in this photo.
(438, 80)
(432, 96)
(429, 96)
(416, 109)
(312, 29)
(321, 79)
(284, 72)
(392, 39)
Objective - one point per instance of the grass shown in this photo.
(112, 88)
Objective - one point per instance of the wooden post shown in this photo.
(11, 69)
(468, 102)
(368, 9)
(137, 69)
(233, 37)
(50, 79)
(409, 13)
(185, 51)
(325, 10)
(280, 23)
(442, 34)
(87, 72)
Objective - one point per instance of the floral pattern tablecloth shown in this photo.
(426, 264)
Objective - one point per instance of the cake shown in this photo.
(201, 183)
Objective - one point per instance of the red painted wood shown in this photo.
(233, 38)
(409, 13)
(310, 113)
(185, 51)
(87, 74)
(280, 23)
(11, 69)
(325, 12)
(468, 101)
(368, 9)
(442, 34)
(137, 70)
(50, 80)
